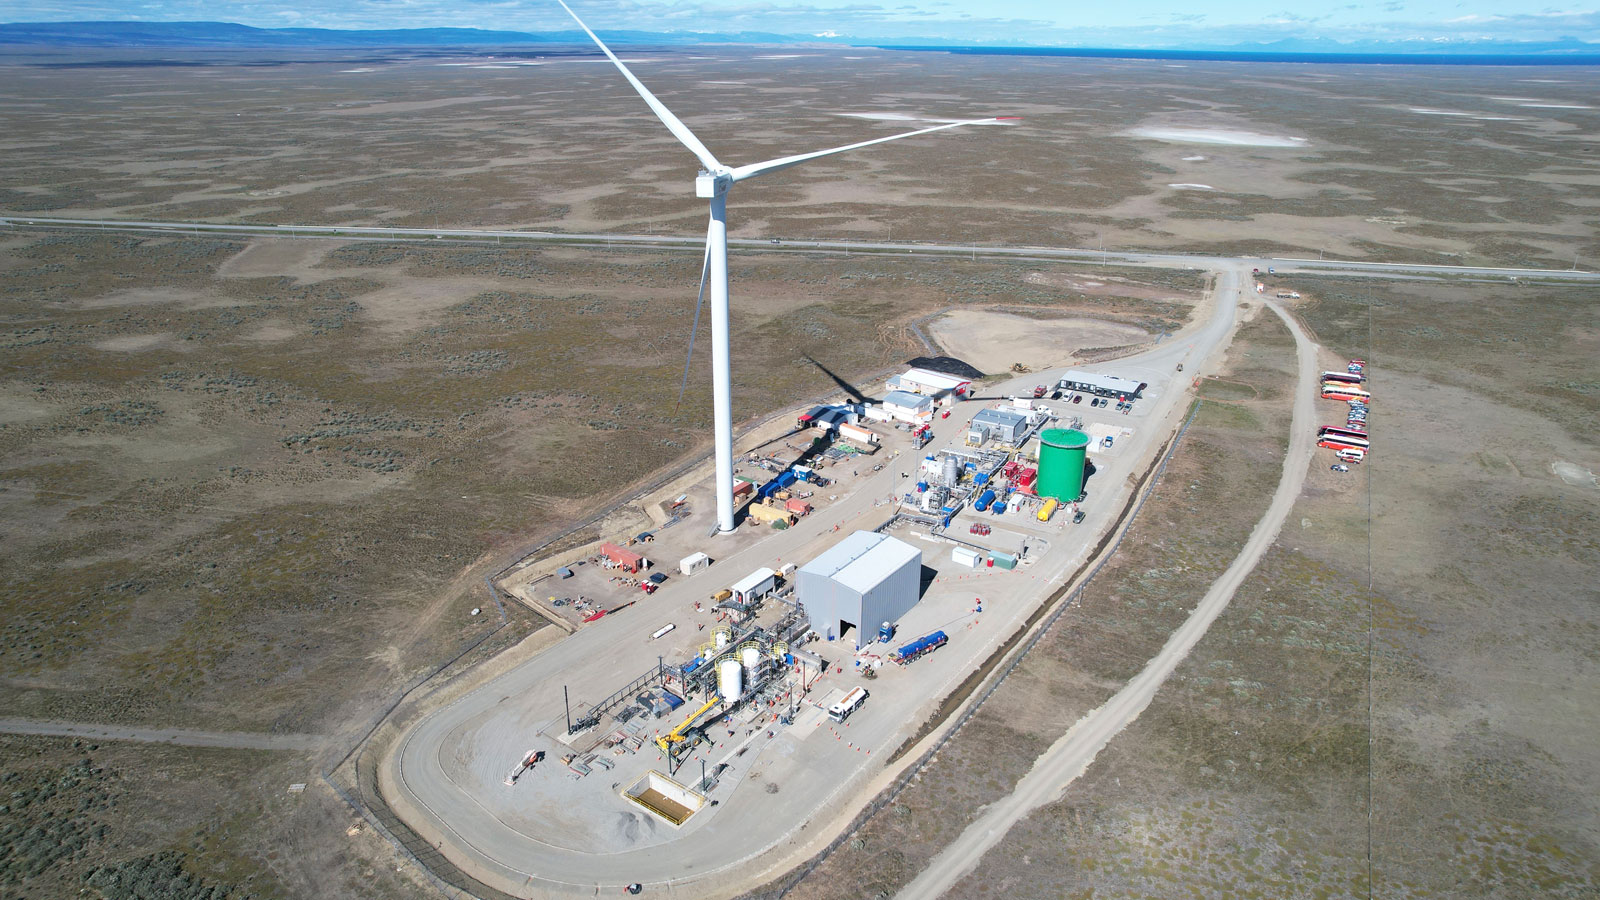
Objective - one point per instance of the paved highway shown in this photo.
(1165, 260)
(1070, 756)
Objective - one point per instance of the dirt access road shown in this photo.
(183, 737)
(1070, 756)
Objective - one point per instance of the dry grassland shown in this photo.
(1432, 164)
(1249, 774)
(128, 821)
(256, 486)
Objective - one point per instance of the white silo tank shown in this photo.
(730, 680)
(950, 472)
(722, 634)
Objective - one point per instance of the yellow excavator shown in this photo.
(678, 734)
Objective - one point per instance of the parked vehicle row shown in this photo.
(1349, 443)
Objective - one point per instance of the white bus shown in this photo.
(851, 702)
(1335, 431)
(1345, 392)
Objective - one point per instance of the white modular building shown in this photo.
(757, 584)
(929, 382)
(693, 563)
(1102, 385)
(907, 407)
(858, 584)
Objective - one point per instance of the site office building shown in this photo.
(942, 388)
(1102, 385)
(858, 584)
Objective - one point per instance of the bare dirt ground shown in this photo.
(994, 341)
(1472, 563)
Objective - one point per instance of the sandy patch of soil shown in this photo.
(133, 343)
(20, 403)
(272, 331)
(409, 106)
(1573, 474)
(409, 303)
(1097, 285)
(1218, 136)
(156, 296)
(992, 341)
(266, 258)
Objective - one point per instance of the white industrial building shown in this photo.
(926, 381)
(858, 584)
(903, 406)
(1103, 385)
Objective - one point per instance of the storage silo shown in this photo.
(730, 680)
(1062, 453)
(750, 655)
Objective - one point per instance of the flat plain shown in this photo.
(255, 485)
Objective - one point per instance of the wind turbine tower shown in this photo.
(713, 183)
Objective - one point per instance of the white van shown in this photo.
(851, 702)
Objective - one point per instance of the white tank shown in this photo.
(751, 654)
(730, 680)
(722, 635)
(950, 471)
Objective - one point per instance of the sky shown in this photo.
(1134, 23)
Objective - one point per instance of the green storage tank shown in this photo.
(1062, 452)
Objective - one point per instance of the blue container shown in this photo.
(980, 478)
(922, 486)
(999, 508)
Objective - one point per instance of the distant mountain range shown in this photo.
(226, 35)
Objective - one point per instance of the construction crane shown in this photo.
(676, 735)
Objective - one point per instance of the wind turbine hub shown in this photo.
(712, 184)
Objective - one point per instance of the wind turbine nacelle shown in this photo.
(707, 185)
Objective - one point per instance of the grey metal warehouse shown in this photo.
(1001, 425)
(858, 584)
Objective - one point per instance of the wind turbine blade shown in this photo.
(773, 165)
(705, 266)
(673, 123)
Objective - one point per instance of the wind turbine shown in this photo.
(713, 183)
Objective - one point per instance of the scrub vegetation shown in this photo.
(1217, 484)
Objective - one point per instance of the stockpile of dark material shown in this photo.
(945, 365)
